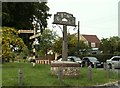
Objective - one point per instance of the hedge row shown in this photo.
(100, 57)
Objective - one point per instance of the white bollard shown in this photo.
(33, 64)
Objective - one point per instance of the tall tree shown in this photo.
(20, 16)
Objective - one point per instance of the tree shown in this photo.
(105, 45)
(114, 43)
(20, 16)
(11, 42)
(72, 45)
(46, 41)
(110, 45)
(57, 46)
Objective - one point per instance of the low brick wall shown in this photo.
(71, 69)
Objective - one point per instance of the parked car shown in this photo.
(72, 58)
(93, 61)
(114, 62)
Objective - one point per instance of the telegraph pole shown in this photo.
(78, 46)
(119, 19)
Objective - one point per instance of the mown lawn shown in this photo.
(41, 76)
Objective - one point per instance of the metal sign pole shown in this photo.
(34, 54)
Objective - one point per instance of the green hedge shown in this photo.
(100, 57)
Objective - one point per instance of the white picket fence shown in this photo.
(43, 61)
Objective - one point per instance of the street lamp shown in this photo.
(65, 19)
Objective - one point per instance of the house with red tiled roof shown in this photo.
(91, 40)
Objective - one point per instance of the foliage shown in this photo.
(110, 45)
(10, 37)
(20, 16)
(72, 45)
(57, 46)
(46, 41)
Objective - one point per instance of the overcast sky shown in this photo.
(97, 17)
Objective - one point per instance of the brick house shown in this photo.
(91, 40)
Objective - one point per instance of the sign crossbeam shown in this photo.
(25, 31)
(34, 36)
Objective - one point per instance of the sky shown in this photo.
(97, 17)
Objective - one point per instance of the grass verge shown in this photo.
(40, 76)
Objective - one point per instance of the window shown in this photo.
(92, 44)
(115, 59)
(86, 59)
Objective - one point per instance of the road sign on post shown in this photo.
(34, 36)
(25, 31)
